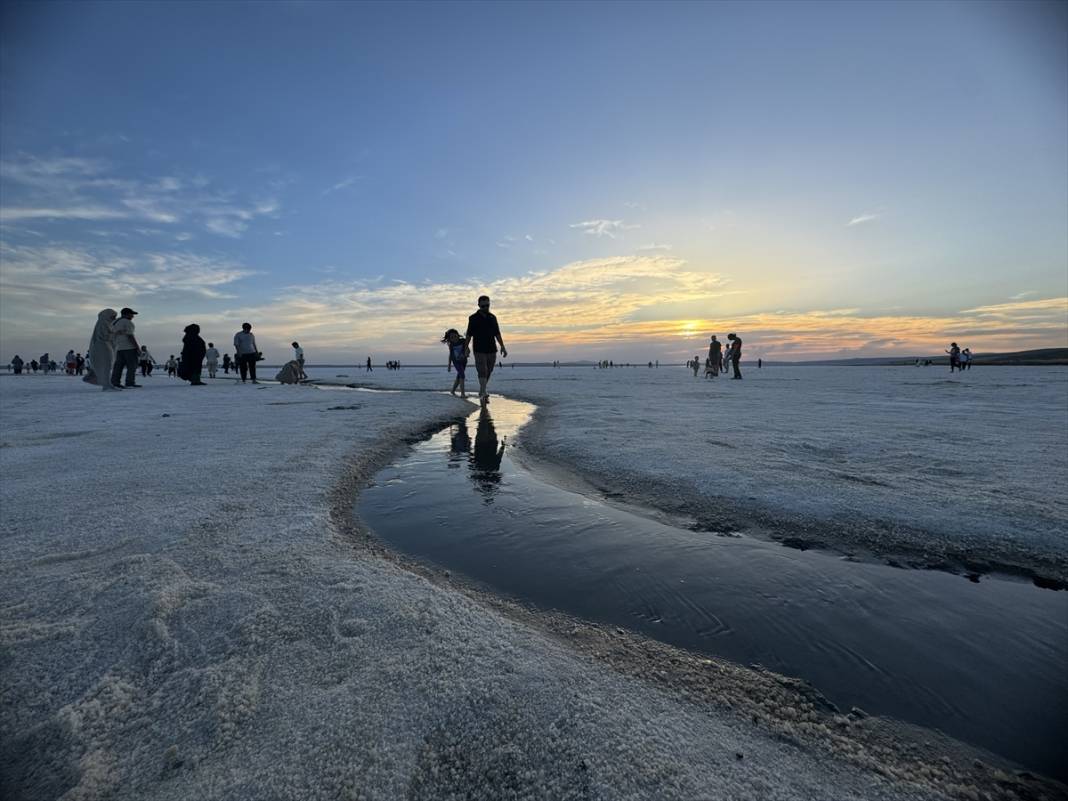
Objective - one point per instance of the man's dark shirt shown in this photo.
(736, 351)
(482, 328)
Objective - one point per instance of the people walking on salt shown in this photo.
(16, 365)
(211, 357)
(247, 352)
(126, 350)
(193, 350)
(954, 357)
(70, 363)
(735, 354)
(80, 366)
(483, 328)
(369, 368)
(457, 358)
(966, 359)
(226, 363)
(102, 351)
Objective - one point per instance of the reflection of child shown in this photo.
(457, 358)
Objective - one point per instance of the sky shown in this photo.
(825, 179)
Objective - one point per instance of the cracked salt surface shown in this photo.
(927, 647)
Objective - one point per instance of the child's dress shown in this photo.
(458, 355)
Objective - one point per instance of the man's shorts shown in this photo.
(484, 363)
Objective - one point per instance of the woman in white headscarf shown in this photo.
(102, 349)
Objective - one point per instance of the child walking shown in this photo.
(457, 358)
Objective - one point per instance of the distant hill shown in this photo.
(1042, 356)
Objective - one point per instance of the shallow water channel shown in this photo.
(985, 662)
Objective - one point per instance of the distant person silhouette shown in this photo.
(954, 356)
(735, 354)
(193, 350)
(715, 355)
(483, 328)
(212, 358)
(369, 368)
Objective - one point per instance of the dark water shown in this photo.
(984, 662)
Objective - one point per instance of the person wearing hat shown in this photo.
(126, 349)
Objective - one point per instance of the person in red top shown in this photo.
(483, 328)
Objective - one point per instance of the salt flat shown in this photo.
(186, 613)
(910, 463)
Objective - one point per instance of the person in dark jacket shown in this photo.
(193, 350)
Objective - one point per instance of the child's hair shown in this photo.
(448, 333)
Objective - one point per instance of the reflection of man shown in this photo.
(486, 458)
(484, 329)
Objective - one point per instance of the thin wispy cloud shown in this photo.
(1021, 295)
(603, 228)
(343, 184)
(18, 213)
(655, 247)
(861, 219)
(71, 188)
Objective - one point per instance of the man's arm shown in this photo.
(504, 350)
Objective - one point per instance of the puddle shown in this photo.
(983, 662)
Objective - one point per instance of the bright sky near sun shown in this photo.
(827, 180)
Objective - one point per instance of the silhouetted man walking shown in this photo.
(483, 328)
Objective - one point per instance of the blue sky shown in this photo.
(624, 178)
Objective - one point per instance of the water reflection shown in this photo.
(484, 459)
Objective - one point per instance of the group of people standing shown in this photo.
(114, 350)
(960, 360)
(719, 357)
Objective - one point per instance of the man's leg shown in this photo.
(242, 366)
(251, 359)
(116, 371)
(130, 357)
(734, 364)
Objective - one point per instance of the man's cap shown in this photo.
(127, 310)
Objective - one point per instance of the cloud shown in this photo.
(1021, 295)
(69, 188)
(863, 218)
(17, 213)
(529, 238)
(47, 274)
(343, 184)
(441, 233)
(654, 246)
(603, 228)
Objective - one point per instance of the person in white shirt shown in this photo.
(298, 356)
(245, 345)
(212, 358)
(126, 349)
